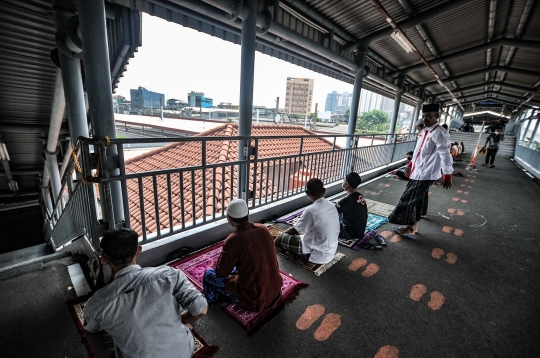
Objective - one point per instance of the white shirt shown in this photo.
(320, 225)
(141, 310)
(432, 153)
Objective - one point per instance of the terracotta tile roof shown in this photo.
(187, 154)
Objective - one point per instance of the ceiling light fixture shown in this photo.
(402, 41)
(13, 186)
(4, 155)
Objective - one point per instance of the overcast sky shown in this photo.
(175, 60)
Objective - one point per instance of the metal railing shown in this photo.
(163, 196)
(75, 211)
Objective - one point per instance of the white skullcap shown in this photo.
(237, 209)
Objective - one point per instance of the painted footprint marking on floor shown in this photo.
(436, 301)
(387, 352)
(437, 253)
(458, 199)
(449, 229)
(370, 270)
(312, 314)
(453, 211)
(329, 324)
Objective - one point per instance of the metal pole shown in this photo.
(353, 114)
(412, 127)
(247, 70)
(57, 113)
(397, 102)
(355, 101)
(98, 83)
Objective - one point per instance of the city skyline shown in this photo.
(175, 60)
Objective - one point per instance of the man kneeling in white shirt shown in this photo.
(315, 236)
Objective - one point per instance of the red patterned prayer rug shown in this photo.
(195, 265)
(202, 349)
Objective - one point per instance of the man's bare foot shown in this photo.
(405, 231)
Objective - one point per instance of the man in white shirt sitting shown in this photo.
(315, 236)
(431, 155)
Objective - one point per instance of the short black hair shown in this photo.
(119, 246)
(315, 187)
(353, 179)
(410, 153)
(239, 220)
(445, 126)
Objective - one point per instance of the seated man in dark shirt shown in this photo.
(247, 270)
(400, 173)
(353, 213)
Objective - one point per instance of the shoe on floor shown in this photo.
(492, 166)
(483, 165)
(369, 246)
(380, 240)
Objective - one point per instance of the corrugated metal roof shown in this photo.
(27, 77)
(526, 58)
(470, 62)
(459, 29)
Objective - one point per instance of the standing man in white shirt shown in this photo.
(431, 154)
(315, 236)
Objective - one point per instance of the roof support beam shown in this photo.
(491, 83)
(480, 95)
(312, 14)
(474, 101)
(471, 50)
(481, 72)
(422, 17)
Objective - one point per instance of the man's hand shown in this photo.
(447, 181)
(187, 318)
(407, 171)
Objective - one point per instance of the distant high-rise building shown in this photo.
(369, 101)
(141, 98)
(387, 105)
(330, 104)
(197, 99)
(337, 103)
(299, 95)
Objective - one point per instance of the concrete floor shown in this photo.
(490, 292)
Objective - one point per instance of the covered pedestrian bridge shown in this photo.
(466, 287)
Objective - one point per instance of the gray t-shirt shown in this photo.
(141, 310)
(494, 140)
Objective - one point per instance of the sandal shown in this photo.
(399, 231)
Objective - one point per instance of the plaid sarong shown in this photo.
(290, 243)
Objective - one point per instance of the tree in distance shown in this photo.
(374, 121)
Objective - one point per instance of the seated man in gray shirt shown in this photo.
(144, 310)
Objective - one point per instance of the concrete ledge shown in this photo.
(528, 167)
(155, 253)
(30, 265)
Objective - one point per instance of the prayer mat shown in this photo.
(354, 244)
(378, 208)
(195, 265)
(76, 307)
(291, 219)
(317, 269)
(374, 221)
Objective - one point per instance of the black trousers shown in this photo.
(412, 204)
(490, 155)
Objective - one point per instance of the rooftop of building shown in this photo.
(220, 192)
